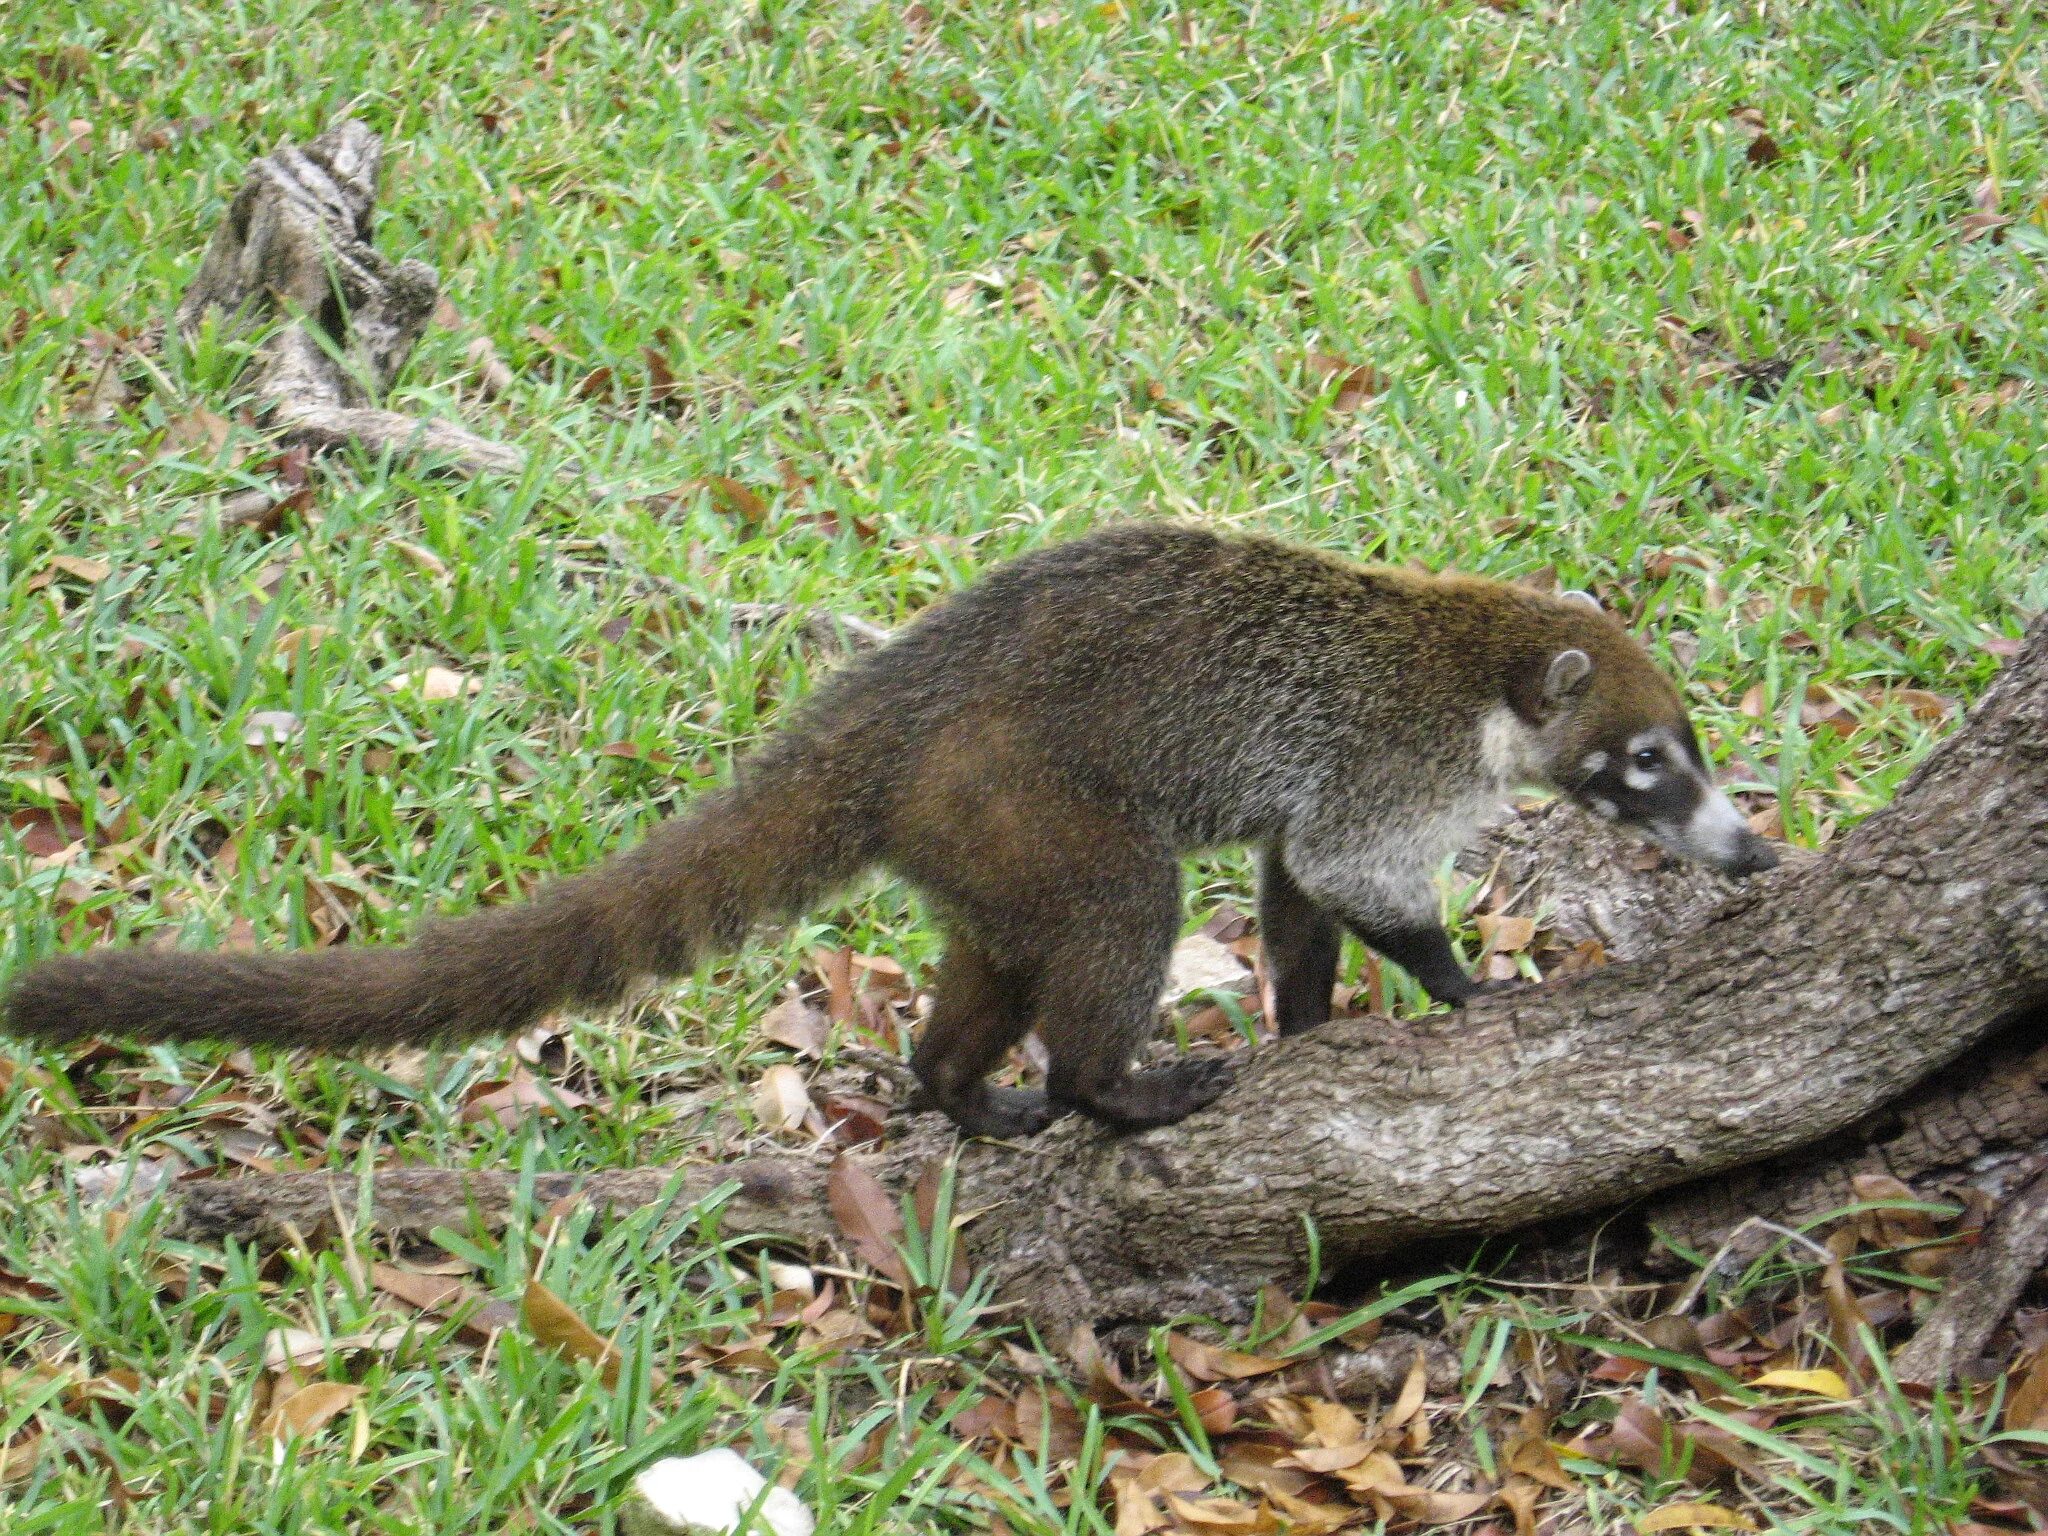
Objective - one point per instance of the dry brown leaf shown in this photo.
(1518, 1496)
(492, 376)
(796, 1024)
(1922, 704)
(1049, 1422)
(1435, 1506)
(1200, 964)
(835, 969)
(868, 1216)
(1218, 1515)
(1846, 1322)
(196, 429)
(2027, 1407)
(312, 637)
(662, 386)
(1206, 1362)
(435, 683)
(419, 556)
(554, 1323)
(856, 1120)
(1679, 1517)
(1306, 1517)
(1174, 1472)
(735, 499)
(18, 1457)
(1977, 225)
(1642, 1437)
(1257, 1464)
(1530, 1454)
(1357, 384)
(1138, 1511)
(307, 1409)
(80, 568)
(781, 1100)
(510, 1101)
(1215, 1409)
(293, 1346)
(1343, 1458)
(1504, 935)
(1332, 1424)
(1409, 1402)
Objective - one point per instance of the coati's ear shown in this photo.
(1583, 599)
(1543, 685)
(1565, 678)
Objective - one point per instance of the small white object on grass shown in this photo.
(706, 1495)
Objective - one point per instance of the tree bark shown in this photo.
(1751, 1022)
(1981, 1290)
(295, 251)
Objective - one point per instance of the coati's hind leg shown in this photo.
(1098, 1001)
(979, 1011)
(1301, 943)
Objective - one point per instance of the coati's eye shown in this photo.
(1648, 757)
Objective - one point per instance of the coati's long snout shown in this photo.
(1656, 781)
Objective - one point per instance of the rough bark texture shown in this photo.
(1982, 1289)
(295, 249)
(1980, 1120)
(1766, 1019)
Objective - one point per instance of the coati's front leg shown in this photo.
(1423, 950)
(1301, 943)
(1393, 913)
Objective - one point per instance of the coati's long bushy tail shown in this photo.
(694, 886)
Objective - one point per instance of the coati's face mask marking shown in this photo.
(1617, 741)
(1656, 781)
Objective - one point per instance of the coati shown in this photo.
(1035, 754)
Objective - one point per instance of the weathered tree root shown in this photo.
(295, 250)
(1800, 1006)
(1980, 1120)
(1982, 1290)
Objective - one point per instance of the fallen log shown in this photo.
(293, 263)
(1770, 1018)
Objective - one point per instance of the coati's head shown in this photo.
(1610, 732)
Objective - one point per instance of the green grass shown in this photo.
(976, 280)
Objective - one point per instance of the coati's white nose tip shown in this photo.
(1721, 836)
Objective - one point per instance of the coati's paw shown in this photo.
(1003, 1113)
(1163, 1094)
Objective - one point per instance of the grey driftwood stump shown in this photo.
(293, 262)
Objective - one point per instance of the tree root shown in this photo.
(295, 252)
